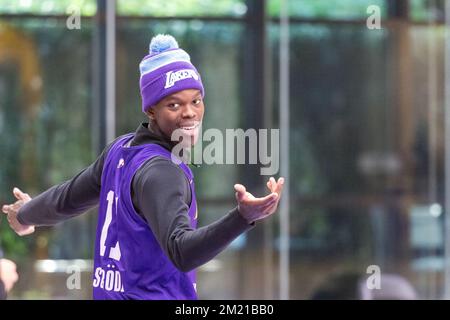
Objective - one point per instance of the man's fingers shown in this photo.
(279, 186)
(26, 232)
(273, 183)
(17, 193)
(5, 209)
(269, 206)
(10, 208)
(239, 188)
(269, 210)
(263, 201)
(240, 191)
(20, 195)
(275, 186)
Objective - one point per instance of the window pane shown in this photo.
(45, 112)
(335, 136)
(367, 156)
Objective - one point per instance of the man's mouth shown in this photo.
(190, 126)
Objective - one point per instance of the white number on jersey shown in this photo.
(114, 252)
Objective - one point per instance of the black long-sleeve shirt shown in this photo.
(161, 195)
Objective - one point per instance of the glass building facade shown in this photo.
(366, 133)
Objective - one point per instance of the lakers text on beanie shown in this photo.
(166, 70)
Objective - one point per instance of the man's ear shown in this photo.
(151, 114)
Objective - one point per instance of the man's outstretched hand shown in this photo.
(252, 208)
(11, 210)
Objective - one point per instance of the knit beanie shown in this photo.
(166, 70)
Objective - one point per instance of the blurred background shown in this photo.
(362, 113)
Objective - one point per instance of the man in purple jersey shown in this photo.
(147, 244)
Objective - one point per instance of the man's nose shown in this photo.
(188, 111)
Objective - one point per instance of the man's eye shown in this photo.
(197, 101)
(173, 105)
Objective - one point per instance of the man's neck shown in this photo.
(157, 131)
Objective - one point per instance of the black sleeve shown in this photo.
(162, 198)
(66, 200)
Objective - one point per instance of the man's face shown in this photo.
(180, 115)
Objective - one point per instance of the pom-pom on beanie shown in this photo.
(166, 70)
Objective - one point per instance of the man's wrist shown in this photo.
(251, 223)
(19, 218)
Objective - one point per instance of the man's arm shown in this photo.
(162, 197)
(66, 200)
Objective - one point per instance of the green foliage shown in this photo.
(343, 9)
(182, 7)
(86, 7)
(12, 245)
(339, 9)
(129, 7)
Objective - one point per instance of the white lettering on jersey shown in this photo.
(109, 280)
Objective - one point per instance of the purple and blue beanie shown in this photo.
(166, 70)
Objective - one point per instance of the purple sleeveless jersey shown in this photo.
(129, 262)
